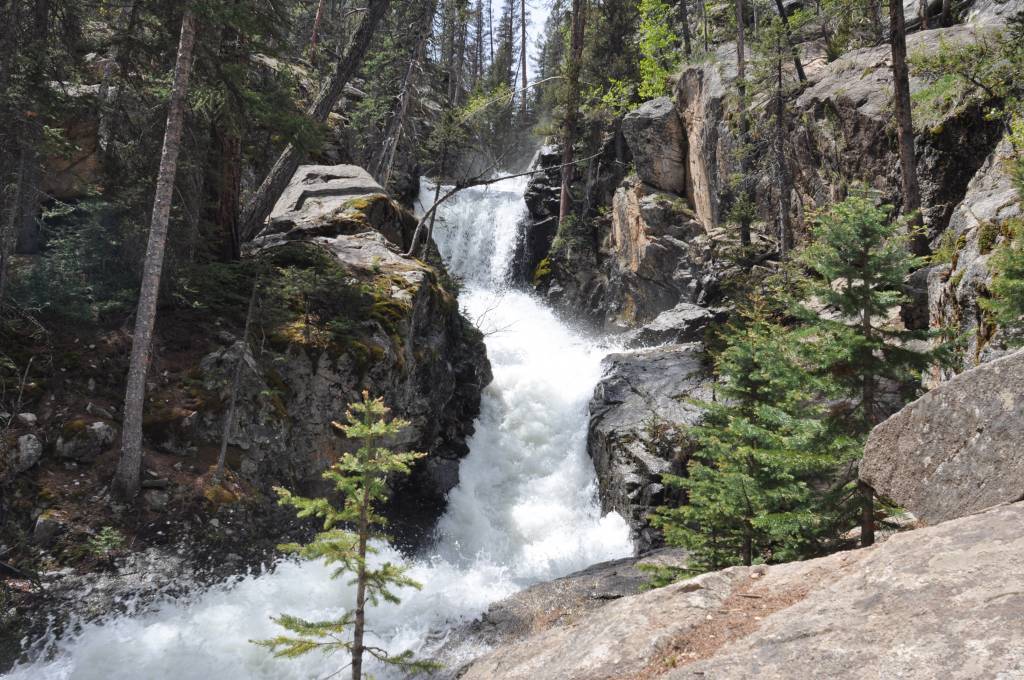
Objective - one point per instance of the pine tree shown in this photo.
(859, 260)
(361, 477)
(748, 493)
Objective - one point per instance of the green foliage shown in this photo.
(362, 479)
(859, 259)
(748, 486)
(1006, 306)
(657, 43)
(949, 246)
(89, 267)
(107, 541)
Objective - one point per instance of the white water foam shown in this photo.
(525, 509)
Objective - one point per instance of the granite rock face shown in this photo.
(976, 229)
(956, 450)
(657, 139)
(942, 601)
(635, 435)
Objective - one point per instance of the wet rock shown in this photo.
(83, 441)
(957, 449)
(686, 322)
(657, 139)
(570, 598)
(637, 417)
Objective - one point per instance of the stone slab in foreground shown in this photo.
(941, 602)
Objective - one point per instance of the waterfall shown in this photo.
(525, 509)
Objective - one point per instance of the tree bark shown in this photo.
(684, 19)
(236, 378)
(785, 184)
(572, 107)
(905, 126)
(126, 481)
(385, 162)
(922, 12)
(947, 12)
(741, 86)
(797, 63)
(523, 50)
(262, 202)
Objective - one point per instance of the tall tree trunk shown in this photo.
(126, 481)
(785, 184)
(262, 202)
(947, 12)
(523, 50)
(922, 12)
(236, 379)
(385, 163)
(9, 228)
(228, 192)
(797, 64)
(316, 26)
(905, 126)
(741, 86)
(684, 20)
(875, 10)
(572, 106)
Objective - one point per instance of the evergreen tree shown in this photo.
(748, 491)
(361, 477)
(859, 260)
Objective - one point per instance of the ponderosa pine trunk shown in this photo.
(797, 63)
(785, 184)
(262, 202)
(526, 82)
(129, 468)
(905, 126)
(741, 86)
(572, 107)
(684, 20)
(236, 380)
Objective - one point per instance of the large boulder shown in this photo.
(655, 135)
(334, 200)
(956, 450)
(638, 417)
(937, 602)
(976, 229)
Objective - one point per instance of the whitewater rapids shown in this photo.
(525, 509)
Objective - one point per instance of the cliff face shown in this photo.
(339, 310)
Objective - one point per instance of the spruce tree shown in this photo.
(361, 477)
(749, 497)
(858, 260)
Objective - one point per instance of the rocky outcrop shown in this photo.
(951, 591)
(978, 226)
(344, 311)
(638, 415)
(956, 450)
(336, 200)
(657, 139)
(686, 322)
(558, 602)
(846, 118)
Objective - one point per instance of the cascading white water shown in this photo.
(525, 509)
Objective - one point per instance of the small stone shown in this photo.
(156, 500)
(48, 526)
(27, 419)
(27, 453)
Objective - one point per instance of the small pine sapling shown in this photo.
(361, 477)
